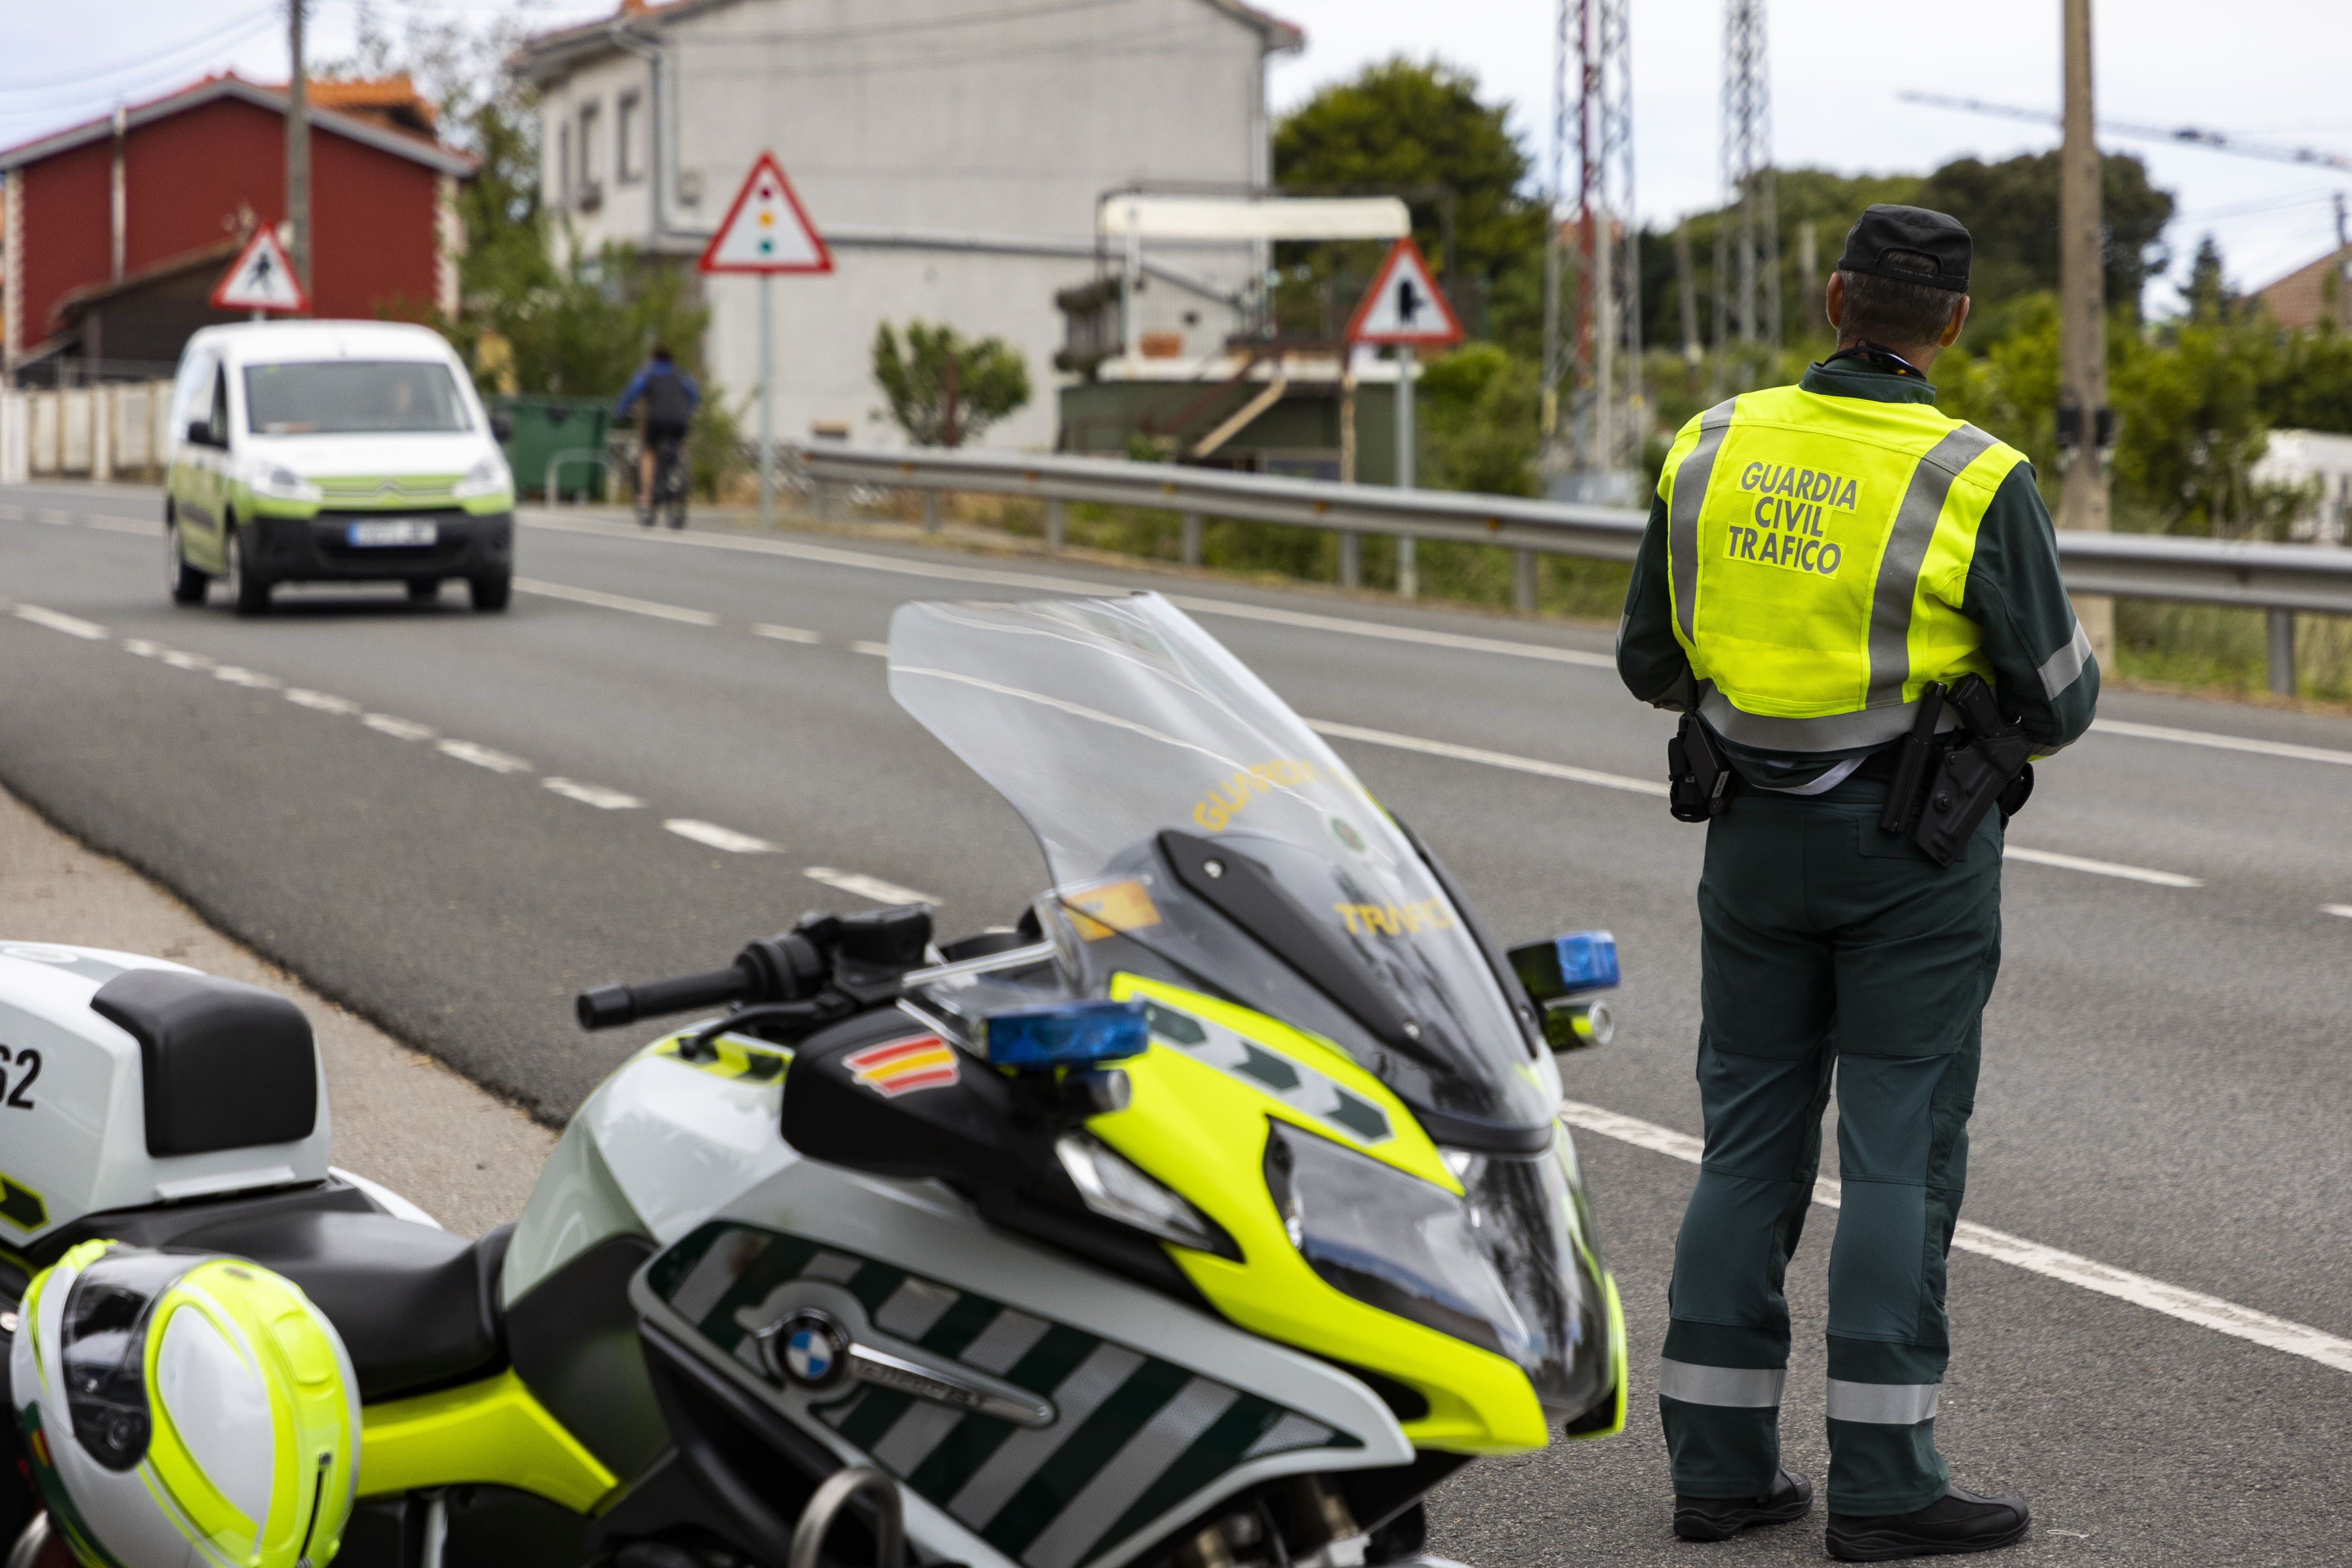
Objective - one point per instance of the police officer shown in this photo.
(1816, 555)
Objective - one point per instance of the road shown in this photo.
(451, 822)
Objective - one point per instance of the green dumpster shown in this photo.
(566, 431)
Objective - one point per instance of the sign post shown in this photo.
(1404, 309)
(767, 231)
(261, 280)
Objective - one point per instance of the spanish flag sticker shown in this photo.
(902, 1066)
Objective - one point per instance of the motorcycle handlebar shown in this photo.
(610, 1007)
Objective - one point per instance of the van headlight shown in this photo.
(486, 478)
(281, 483)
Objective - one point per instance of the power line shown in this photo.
(2179, 135)
(209, 38)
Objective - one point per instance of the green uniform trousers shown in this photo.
(1827, 944)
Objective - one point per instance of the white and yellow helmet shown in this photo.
(184, 1411)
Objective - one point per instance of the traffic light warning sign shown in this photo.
(766, 230)
(1403, 304)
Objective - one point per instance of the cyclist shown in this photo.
(670, 398)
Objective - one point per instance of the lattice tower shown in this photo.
(1593, 353)
(1750, 272)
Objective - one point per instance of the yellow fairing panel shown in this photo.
(490, 1433)
(1203, 1130)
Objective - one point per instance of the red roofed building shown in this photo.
(113, 233)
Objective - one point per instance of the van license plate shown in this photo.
(391, 532)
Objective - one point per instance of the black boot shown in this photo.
(1956, 1522)
(1721, 1518)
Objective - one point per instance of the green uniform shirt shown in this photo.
(2014, 595)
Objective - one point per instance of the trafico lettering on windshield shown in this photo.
(1397, 920)
(1229, 798)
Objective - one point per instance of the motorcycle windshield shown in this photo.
(1186, 810)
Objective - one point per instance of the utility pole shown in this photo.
(298, 147)
(1810, 305)
(1554, 361)
(1687, 287)
(2342, 267)
(2085, 426)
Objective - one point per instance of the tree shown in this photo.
(1478, 408)
(1404, 123)
(943, 388)
(2012, 210)
(2207, 296)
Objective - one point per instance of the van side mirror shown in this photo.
(502, 428)
(200, 432)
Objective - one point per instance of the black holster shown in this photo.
(1944, 785)
(1700, 782)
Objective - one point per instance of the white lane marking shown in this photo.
(179, 658)
(483, 757)
(1356, 628)
(866, 887)
(140, 648)
(398, 729)
(237, 675)
(615, 602)
(1489, 759)
(322, 701)
(72, 625)
(878, 650)
(55, 519)
(592, 795)
(718, 837)
(2173, 1300)
(2221, 742)
(122, 525)
(2099, 867)
(832, 556)
(2343, 910)
(788, 634)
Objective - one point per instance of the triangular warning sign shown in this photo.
(261, 279)
(766, 230)
(1403, 304)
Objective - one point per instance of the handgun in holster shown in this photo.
(1944, 785)
(1699, 779)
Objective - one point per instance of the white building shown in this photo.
(2302, 457)
(953, 154)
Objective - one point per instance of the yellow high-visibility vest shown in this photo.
(1819, 550)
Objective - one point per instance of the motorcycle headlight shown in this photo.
(1116, 1190)
(282, 483)
(487, 477)
(1501, 1267)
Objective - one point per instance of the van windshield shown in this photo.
(337, 397)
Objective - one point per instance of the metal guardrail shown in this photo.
(2281, 579)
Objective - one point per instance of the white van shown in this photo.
(342, 451)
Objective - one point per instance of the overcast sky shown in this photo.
(2271, 70)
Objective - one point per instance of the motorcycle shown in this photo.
(1206, 1217)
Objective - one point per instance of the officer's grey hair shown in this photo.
(1894, 313)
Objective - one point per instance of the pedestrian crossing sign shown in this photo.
(261, 279)
(766, 229)
(1404, 305)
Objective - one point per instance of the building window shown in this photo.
(628, 161)
(592, 185)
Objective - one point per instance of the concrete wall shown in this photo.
(90, 432)
(940, 159)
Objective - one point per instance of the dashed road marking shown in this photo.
(866, 887)
(398, 729)
(718, 837)
(592, 795)
(123, 525)
(2100, 867)
(322, 701)
(2343, 910)
(180, 659)
(1486, 758)
(483, 757)
(2221, 742)
(54, 519)
(1349, 626)
(238, 675)
(72, 625)
(602, 600)
(878, 649)
(788, 634)
(140, 648)
(2173, 1300)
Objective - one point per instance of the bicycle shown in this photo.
(667, 495)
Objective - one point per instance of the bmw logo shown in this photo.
(810, 1349)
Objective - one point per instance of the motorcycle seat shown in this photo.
(417, 1308)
